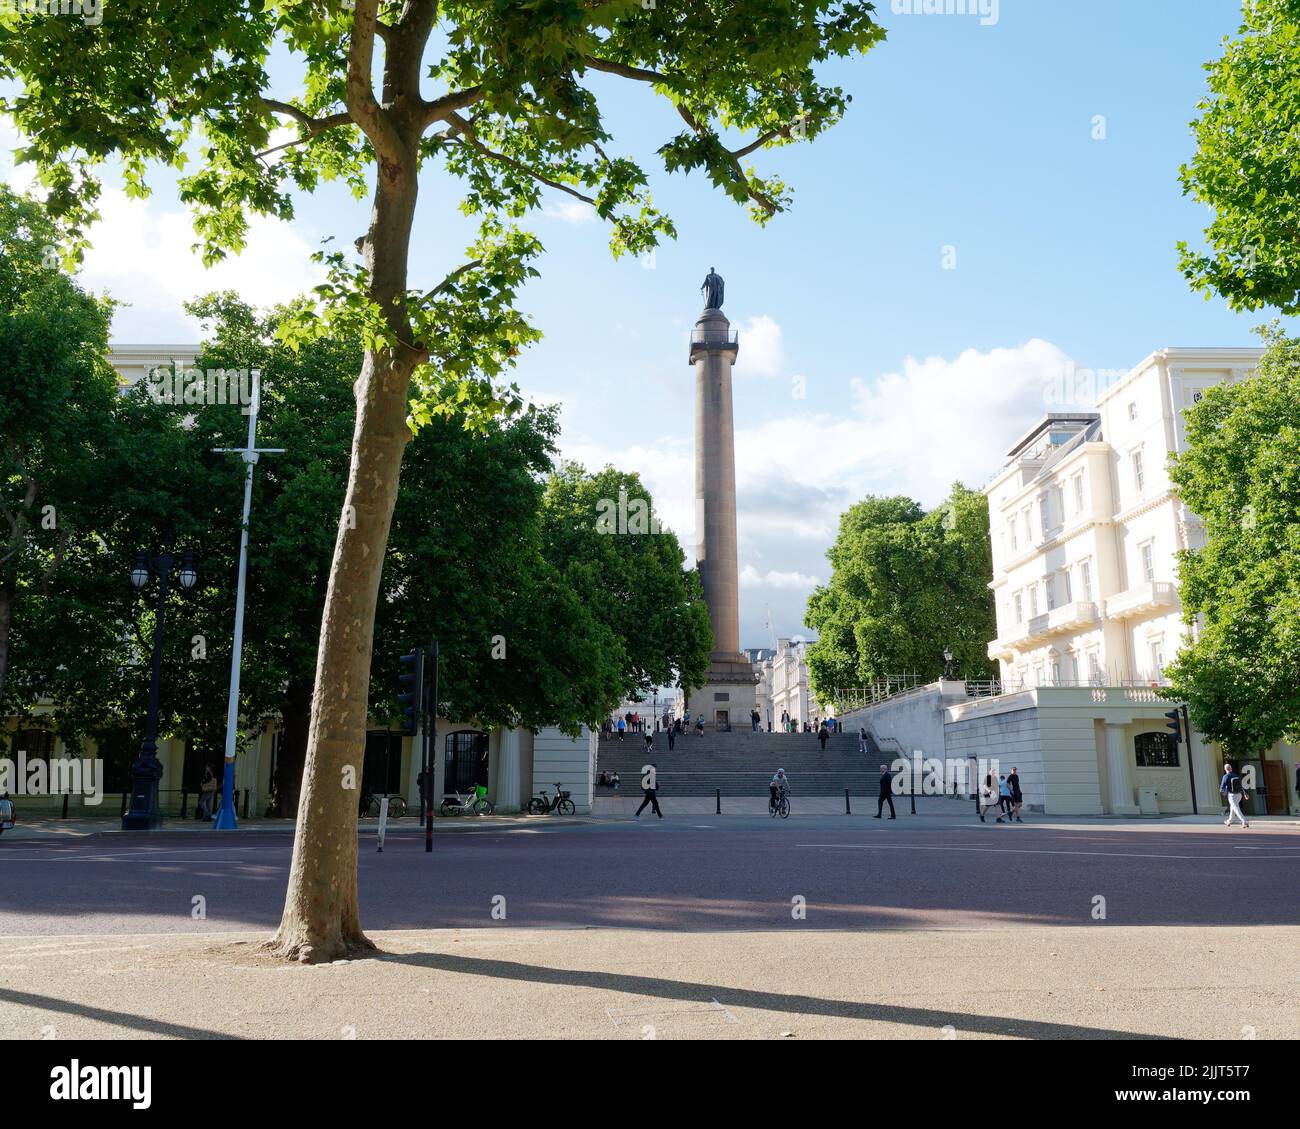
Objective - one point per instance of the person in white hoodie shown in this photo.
(990, 795)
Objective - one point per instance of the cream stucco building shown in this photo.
(1085, 527)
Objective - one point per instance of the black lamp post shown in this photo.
(147, 770)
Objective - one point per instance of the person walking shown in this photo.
(1231, 788)
(822, 734)
(989, 796)
(672, 737)
(1004, 798)
(649, 744)
(1017, 796)
(651, 793)
(886, 792)
(622, 726)
(207, 793)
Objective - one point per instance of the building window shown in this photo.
(1158, 657)
(1148, 552)
(1139, 477)
(1065, 586)
(1020, 608)
(38, 744)
(1132, 411)
(1056, 672)
(1074, 669)
(1033, 601)
(1011, 524)
(1050, 590)
(1085, 578)
(1078, 492)
(1156, 750)
(466, 761)
(1094, 668)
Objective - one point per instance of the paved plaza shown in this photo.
(930, 926)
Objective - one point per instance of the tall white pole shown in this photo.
(250, 454)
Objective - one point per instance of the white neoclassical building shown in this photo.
(787, 687)
(1085, 526)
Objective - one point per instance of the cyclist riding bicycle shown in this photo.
(778, 784)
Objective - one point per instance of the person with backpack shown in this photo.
(822, 734)
(1230, 787)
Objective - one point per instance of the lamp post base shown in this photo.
(143, 814)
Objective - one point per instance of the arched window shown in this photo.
(1156, 750)
(466, 763)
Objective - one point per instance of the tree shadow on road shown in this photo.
(731, 996)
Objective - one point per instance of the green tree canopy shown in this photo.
(627, 571)
(57, 408)
(1244, 170)
(904, 584)
(1241, 591)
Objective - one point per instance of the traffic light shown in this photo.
(1173, 724)
(411, 698)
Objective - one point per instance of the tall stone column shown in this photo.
(713, 354)
(1120, 772)
(508, 781)
(729, 692)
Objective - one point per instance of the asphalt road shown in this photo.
(688, 874)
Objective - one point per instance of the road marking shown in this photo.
(1016, 851)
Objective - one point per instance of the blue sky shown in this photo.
(865, 367)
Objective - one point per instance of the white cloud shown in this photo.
(571, 211)
(762, 352)
(750, 577)
(18, 177)
(142, 253)
(912, 431)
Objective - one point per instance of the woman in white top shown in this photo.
(990, 796)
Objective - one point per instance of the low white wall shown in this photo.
(571, 761)
(914, 720)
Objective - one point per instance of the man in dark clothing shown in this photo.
(1017, 796)
(650, 786)
(822, 734)
(886, 791)
(672, 737)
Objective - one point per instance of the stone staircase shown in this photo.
(742, 762)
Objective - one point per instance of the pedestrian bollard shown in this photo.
(718, 791)
(912, 794)
(383, 821)
(846, 802)
(65, 805)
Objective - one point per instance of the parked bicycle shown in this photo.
(476, 803)
(396, 806)
(544, 804)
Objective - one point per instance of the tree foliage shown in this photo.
(1241, 591)
(904, 584)
(1244, 170)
